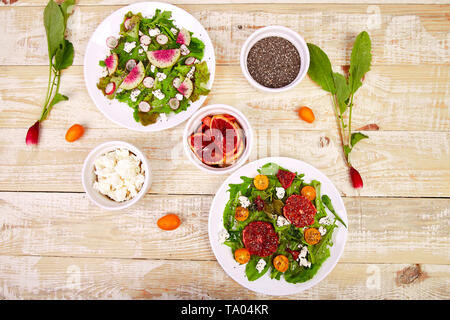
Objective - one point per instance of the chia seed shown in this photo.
(273, 62)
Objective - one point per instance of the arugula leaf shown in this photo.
(54, 27)
(320, 68)
(342, 91)
(327, 202)
(360, 60)
(356, 137)
(250, 268)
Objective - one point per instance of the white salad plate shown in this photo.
(265, 284)
(96, 50)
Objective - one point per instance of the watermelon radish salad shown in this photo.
(154, 66)
(277, 223)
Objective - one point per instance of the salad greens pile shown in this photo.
(153, 46)
(290, 237)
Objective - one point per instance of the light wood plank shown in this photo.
(393, 97)
(411, 164)
(414, 34)
(75, 278)
(57, 224)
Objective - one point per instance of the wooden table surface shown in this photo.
(54, 243)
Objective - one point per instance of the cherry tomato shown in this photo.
(309, 192)
(261, 182)
(312, 236)
(74, 133)
(306, 114)
(242, 255)
(169, 222)
(241, 214)
(281, 263)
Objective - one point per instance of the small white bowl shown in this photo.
(195, 121)
(276, 31)
(88, 175)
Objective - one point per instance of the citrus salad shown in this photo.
(276, 221)
(154, 66)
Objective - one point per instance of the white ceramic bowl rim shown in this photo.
(285, 33)
(88, 175)
(218, 109)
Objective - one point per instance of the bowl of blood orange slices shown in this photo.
(218, 139)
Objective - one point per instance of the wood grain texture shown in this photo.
(56, 166)
(81, 278)
(66, 224)
(388, 96)
(413, 34)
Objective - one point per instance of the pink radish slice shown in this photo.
(162, 39)
(176, 82)
(110, 88)
(148, 82)
(144, 106)
(174, 103)
(145, 40)
(111, 42)
(127, 24)
(184, 50)
(130, 64)
(189, 61)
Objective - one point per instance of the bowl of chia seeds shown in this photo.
(274, 59)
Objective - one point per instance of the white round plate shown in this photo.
(96, 50)
(264, 284)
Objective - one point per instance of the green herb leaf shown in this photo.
(64, 56)
(342, 91)
(360, 60)
(54, 27)
(320, 68)
(347, 150)
(357, 136)
(327, 202)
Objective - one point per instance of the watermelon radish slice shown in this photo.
(135, 77)
(110, 88)
(176, 82)
(162, 39)
(189, 61)
(174, 103)
(144, 106)
(130, 64)
(186, 88)
(184, 37)
(148, 82)
(112, 62)
(163, 58)
(111, 42)
(145, 40)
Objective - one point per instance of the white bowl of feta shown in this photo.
(116, 175)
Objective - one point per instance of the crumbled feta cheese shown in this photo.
(154, 32)
(322, 230)
(303, 251)
(161, 76)
(119, 90)
(141, 51)
(129, 46)
(179, 96)
(134, 94)
(282, 221)
(243, 200)
(173, 30)
(184, 50)
(260, 265)
(119, 175)
(140, 33)
(303, 262)
(325, 220)
(223, 236)
(104, 73)
(152, 68)
(196, 61)
(158, 94)
(190, 74)
(144, 47)
(280, 192)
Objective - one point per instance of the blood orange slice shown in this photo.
(227, 133)
(205, 149)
